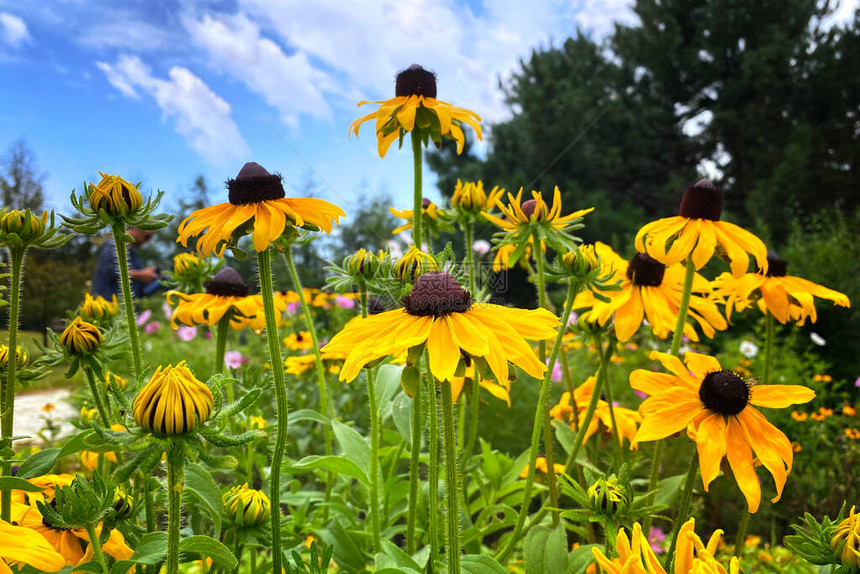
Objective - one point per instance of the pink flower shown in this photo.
(144, 317)
(234, 359)
(574, 317)
(557, 374)
(208, 334)
(640, 394)
(656, 537)
(291, 308)
(344, 302)
(152, 327)
(186, 333)
(857, 382)
(167, 310)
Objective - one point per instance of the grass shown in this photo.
(56, 378)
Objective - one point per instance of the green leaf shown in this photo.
(76, 444)
(546, 550)
(38, 464)
(387, 384)
(340, 464)
(91, 566)
(565, 435)
(347, 550)
(151, 549)
(200, 484)
(580, 558)
(308, 415)
(481, 564)
(669, 490)
(208, 547)
(401, 412)
(353, 445)
(393, 556)
(17, 483)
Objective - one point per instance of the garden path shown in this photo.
(30, 418)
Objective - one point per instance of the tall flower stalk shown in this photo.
(175, 485)
(127, 300)
(7, 394)
(375, 434)
(452, 481)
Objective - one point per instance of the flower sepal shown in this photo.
(20, 229)
(116, 203)
(83, 504)
(812, 539)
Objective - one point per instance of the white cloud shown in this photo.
(202, 117)
(289, 83)
(125, 30)
(13, 30)
(598, 16)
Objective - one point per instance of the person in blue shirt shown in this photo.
(144, 280)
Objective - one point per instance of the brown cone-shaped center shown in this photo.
(227, 283)
(724, 392)
(529, 208)
(415, 81)
(702, 200)
(425, 203)
(254, 184)
(645, 271)
(776, 267)
(437, 293)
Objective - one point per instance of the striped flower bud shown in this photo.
(81, 337)
(114, 195)
(173, 402)
(247, 507)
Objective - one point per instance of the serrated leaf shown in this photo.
(199, 483)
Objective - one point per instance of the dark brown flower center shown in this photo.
(227, 283)
(425, 203)
(776, 267)
(437, 293)
(415, 81)
(645, 271)
(529, 208)
(254, 184)
(702, 200)
(724, 392)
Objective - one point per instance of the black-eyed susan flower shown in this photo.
(430, 215)
(519, 214)
(81, 337)
(20, 545)
(26, 225)
(627, 420)
(173, 402)
(114, 195)
(98, 308)
(697, 230)
(49, 483)
(846, 539)
(20, 356)
(716, 407)
(300, 341)
(786, 297)
(257, 205)
(442, 316)
(415, 263)
(649, 289)
(246, 506)
(470, 197)
(226, 293)
(415, 109)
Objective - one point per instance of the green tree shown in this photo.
(21, 184)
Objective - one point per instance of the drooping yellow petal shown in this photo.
(780, 396)
(739, 454)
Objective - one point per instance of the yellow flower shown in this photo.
(26, 225)
(300, 341)
(114, 195)
(81, 337)
(20, 356)
(96, 308)
(783, 296)
(257, 422)
(415, 108)
(438, 313)
(627, 420)
(846, 539)
(500, 391)
(714, 405)
(853, 434)
(116, 381)
(258, 203)
(822, 378)
(799, 416)
(534, 210)
(414, 264)
(247, 507)
(184, 261)
(848, 410)
(649, 290)
(173, 402)
(504, 251)
(89, 414)
(540, 466)
(471, 197)
(428, 209)
(697, 230)
(48, 407)
(20, 545)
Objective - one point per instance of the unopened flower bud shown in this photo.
(123, 504)
(114, 195)
(364, 263)
(414, 264)
(246, 506)
(20, 355)
(173, 402)
(183, 262)
(608, 496)
(98, 308)
(81, 337)
(847, 534)
(23, 223)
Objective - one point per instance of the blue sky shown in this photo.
(161, 92)
(164, 91)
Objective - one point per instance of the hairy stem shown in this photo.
(768, 348)
(418, 198)
(452, 481)
(175, 484)
(683, 509)
(375, 521)
(127, 301)
(96, 545)
(7, 393)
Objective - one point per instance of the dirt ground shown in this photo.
(30, 418)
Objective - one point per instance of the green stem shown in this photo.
(253, 561)
(543, 401)
(149, 503)
(683, 509)
(127, 301)
(374, 443)
(740, 537)
(452, 482)
(97, 547)
(414, 462)
(7, 393)
(175, 484)
(433, 471)
(239, 548)
(768, 348)
(475, 399)
(470, 255)
(221, 346)
(417, 203)
(326, 408)
(97, 397)
(605, 356)
(685, 306)
(264, 264)
(589, 414)
(652, 481)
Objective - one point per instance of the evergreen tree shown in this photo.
(21, 184)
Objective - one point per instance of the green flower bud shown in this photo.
(123, 504)
(608, 496)
(23, 223)
(247, 507)
(364, 263)
(414, 264)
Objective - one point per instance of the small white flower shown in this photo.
(481, 246)
(749, 349)
(817, 339)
